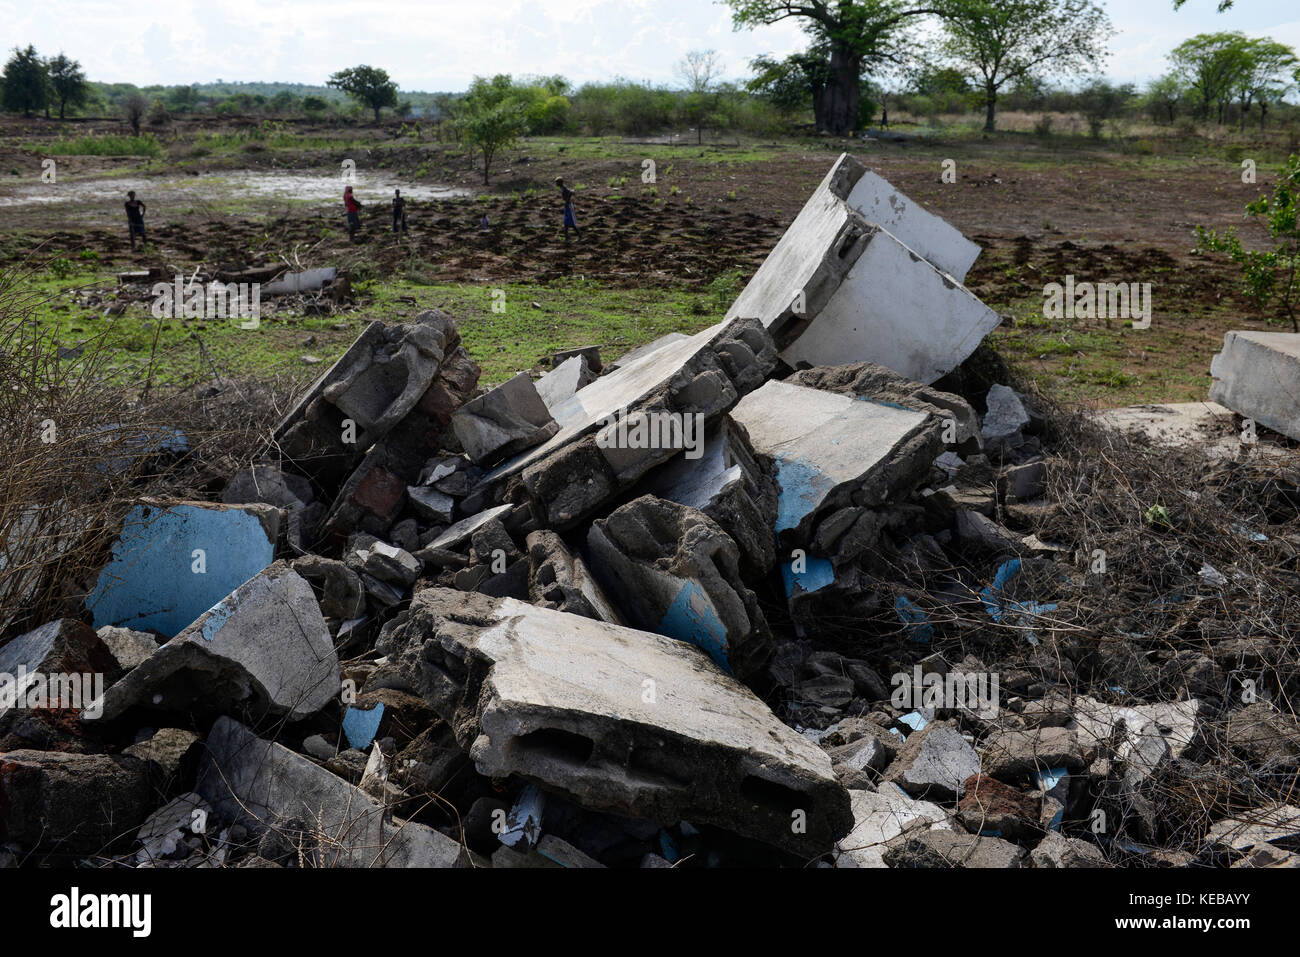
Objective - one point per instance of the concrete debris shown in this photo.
(564, 380)
(172, 562)
(263, 648)
(1257, 375)
(632, 355)
(561, 580)
(936, 848)
(672, 570)
(1204, 426)
(1277, 826)
(589, 709)
(934, 762)
(878, 818)
(836, 457)
(643, 414)
(263, 785)
(498, 424)
(837, 288)
(1005, 420)
(128, 648)
(1057, 850)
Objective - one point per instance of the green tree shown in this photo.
(26, 84)
(858, 35)
(1001, 42)
(134, 107)
(1212, 66)
(492, 117)
(1265, 76)
(794, 83)
(68, 85)
(1162, 97)
(368, 85)
(1270, 276)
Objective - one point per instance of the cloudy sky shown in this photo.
(442, 44)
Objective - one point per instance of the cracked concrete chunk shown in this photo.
(508, 419)
(837, 288)
(561, 580)
(616, 719)
(1257, 375)
(1013, 754)
(1057, 850)
(252, 781)
(173, 561)
(264, 647)
(934, 762)
(571, 474)
(564, 380)
(833, 451)
(879, 817)
(672, 570)
(939, 848)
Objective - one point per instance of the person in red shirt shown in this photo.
(353, 206)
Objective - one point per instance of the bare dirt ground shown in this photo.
(1039, 211)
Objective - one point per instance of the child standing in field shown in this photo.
(353, 207)
(570, 218)
(134, 218)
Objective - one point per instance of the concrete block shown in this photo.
(672, 570)
(1057, 850)
(614, 719)
(834, 452)
(1206, 425)
(570, 475)
(1257, 375)
(256, 782)
(564, 380)
(837, 289)
(510, 418)
(264, 647)
(1005, 419)
(936, 848)
(173, 562)
(128, 648)
(934, 762)
(561, 580)
(879, 817)
(632, 355)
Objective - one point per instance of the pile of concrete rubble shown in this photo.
(647, 613)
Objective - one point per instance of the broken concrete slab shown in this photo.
(730, 485)
(624, 424)
(173, 561)
(128, 648)
(834, 453)
(263, 784)
(879, 817)
(161, 834)
(1278, 826)
(1152, 733)
(1266, 736)
(1257, 375)
(564, 380)
(459, 534)
(632, 355)
(671, 569)
(1205, 425)
(1005, 419)
(615, 719)
(264, 648)
(503, 422)
(561, 580)
(342, 595)
(876, 383)
(916, 227)
(838, 289)
(72, 803)
(1008, 755)
(48, 678)
(987, 805)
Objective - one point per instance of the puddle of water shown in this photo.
(218, 189)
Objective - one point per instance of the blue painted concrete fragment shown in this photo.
(524, 822)
(803, 486)
(217, 616)
(692, 618)
(817, 574)
(150, 581)
(360, 727)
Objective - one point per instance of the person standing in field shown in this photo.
(570, 218)
(353, 206)
(399, 212)
(134, 218)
